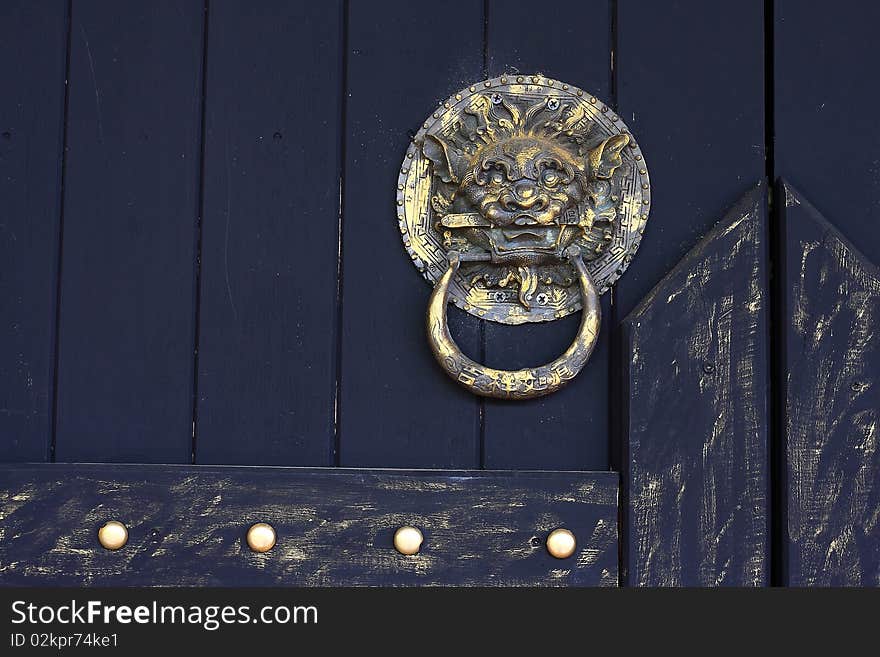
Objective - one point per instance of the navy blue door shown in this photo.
(201, 266)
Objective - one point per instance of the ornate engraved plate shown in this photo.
(510, 172)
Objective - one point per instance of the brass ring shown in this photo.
(526, 383)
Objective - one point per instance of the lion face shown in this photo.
(522, 187)
(520, 182)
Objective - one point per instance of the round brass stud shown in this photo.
(561, 543)
(261, 537)
(113, 535)
(408, 540)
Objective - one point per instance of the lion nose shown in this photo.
(525, 190)
(525, 196)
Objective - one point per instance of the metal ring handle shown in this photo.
(529, 382)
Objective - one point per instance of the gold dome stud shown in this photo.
(113, 535)
(408, 540)
(561, 543)
(261, 537)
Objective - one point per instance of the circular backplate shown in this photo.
(434, 209)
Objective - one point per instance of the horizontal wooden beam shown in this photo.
(187, 526)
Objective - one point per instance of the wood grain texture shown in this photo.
(396, 406)
(832, 403)
(126, 327)
(267, 340)
(32, 67)
(569, 429)
(335, 527)
(697, 414)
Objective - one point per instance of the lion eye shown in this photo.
(496, 176)
(550, 177)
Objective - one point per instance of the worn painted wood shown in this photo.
(697, 413)
(690, 77)
(334, 526)
(569, 429)
(690, 85)
(826, 145)
(396, 406)
(831, 379)
(33, 57)
(126, 328)
(267, 339)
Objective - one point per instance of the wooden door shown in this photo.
(202, 270)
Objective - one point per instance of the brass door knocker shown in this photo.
(522, 199)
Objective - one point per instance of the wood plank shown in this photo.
(569, 429)
(831, 372)
(33, 59)
(334, 526)
(397, 408)
(126, 328)
(691, 88)
(826, 143)
(697, 413)
(267, 344)
(826, 134)
(690, 85)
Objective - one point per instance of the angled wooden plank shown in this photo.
(267, 344)
(569, 429)
(33, 56)
(126, 328)
(396, 407)
(831, 377)
(334, 526)
(697, 414)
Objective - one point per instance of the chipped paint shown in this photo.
(187, 526)
(697, 417)
(832, 405)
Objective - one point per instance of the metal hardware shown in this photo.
(561, 543)
(513, 384)
(522, 199)
(113, 535)
(408, 540)
(261, 537)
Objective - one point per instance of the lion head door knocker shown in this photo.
(522, 199)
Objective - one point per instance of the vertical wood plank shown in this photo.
(690, 85)
(569, 429)
(826, 130)
(131, 198)
(33, 55)
(696, 475)
(267, 344)
(831, 378)
(691, 88)
(397, 408)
